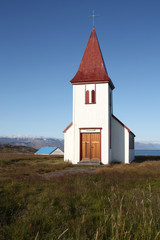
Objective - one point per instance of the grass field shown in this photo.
(45, 198)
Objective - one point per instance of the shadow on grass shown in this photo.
(140, 158)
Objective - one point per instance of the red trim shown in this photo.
(90, 103)
(87, 97)
(93, 96)
(67, 127)
(127, 128)
(122, 124)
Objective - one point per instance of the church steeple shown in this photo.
(92, 67)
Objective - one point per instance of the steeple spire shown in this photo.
(92, 67)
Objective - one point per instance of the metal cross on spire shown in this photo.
(93, 15)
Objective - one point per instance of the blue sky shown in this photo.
(41, 45)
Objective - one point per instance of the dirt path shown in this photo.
(70, 171)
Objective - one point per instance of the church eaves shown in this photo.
(92, 67)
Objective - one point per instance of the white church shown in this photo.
(95, 134)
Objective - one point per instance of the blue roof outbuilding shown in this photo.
(46, 150)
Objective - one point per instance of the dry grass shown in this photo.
(113, 202)
(22, 165)
(144, 169)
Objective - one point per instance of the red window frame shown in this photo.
(93, 96)
(87, 97)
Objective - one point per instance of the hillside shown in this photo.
(6, 148)
(33, 142)
(147, 146)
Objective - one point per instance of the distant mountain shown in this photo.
(147, 146)
(33, 142)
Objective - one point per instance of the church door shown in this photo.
(90, 146)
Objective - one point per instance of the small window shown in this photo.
(93, 96)
(87, 97)
(90, 93)
(131, 141)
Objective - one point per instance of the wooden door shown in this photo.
(90, 146)
(95, 146)
(86, 145)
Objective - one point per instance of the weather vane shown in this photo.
(93, 15)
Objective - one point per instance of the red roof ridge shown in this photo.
(92, 67)
(67, 127)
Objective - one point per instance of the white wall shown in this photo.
(58, 151)
(120, 142)
(68, 145)
(91, 116)
(117, 139)
(126, 146)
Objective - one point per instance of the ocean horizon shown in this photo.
(148, 152)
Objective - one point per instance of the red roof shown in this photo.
(92, 68)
